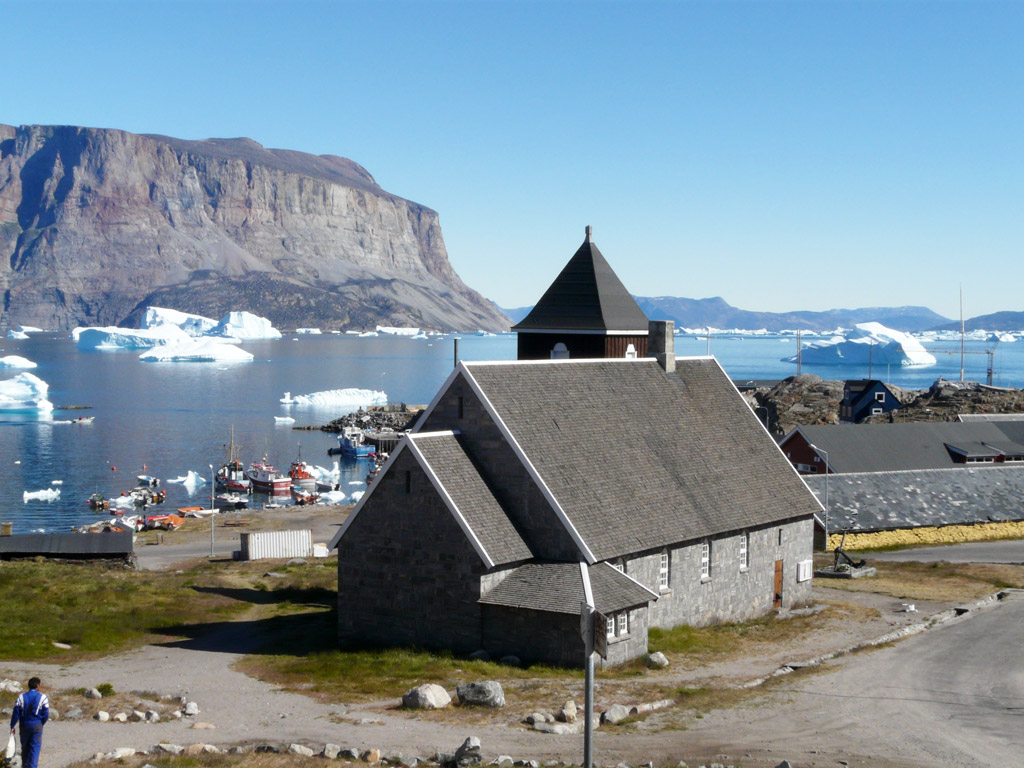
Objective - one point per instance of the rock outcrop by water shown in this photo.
(808, 400)
(97, 224)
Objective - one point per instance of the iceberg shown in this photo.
(47, 494)
(333, 497)
(864, 343)
(308, 331)
(388, 331)
(14, 361)
(25, 392)
(355, 497)
(29, 329)
(197, 351)
(352, 397)
(111, 337)
(284, 420)
(191, 481)
(12, 334)
(193, 325)
(244, 325)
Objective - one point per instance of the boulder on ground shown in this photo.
(480, 655)
(120, 717)
(486, 693)
(93, 693)
(371, 756)
(616, 713)
(567, 714)
(102, 716)
(170, 749)
(191, 709)
(299, 749)
(468, 753)
(657, 660)
(429, 696)
(331, 751)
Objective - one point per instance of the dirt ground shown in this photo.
(245, 710)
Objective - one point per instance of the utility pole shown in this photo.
(799, 354)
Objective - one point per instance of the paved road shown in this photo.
(972, 552)
(953, 696)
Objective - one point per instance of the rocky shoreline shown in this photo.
(807, 399)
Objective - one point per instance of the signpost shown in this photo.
(595, 640)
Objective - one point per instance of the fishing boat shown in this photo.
(301, 474)
(266, 479)
(352, 443)
(231, 501)
(231, 476)
(98, 501)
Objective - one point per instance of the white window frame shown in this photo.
(609, 627)
(622, 622)
(664, 566)
(619, 565)
(879, 397)
(705, 559)
(876, 411)
(744, 551)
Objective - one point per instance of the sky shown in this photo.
(781, 155)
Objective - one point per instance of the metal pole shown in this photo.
(212, 486)
(822, 450)
(455, 362)
(588, 709)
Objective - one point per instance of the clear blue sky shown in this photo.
(782, 155)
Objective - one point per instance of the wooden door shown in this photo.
(777, 594)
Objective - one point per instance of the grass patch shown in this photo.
(939, 582)
(720, 641)
(98, 610)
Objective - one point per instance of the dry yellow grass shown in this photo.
(947, 534)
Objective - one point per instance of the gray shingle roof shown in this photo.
(472, 497)
(639, 459)
(558, 588)
(878, 501)
(893, 447)
(586, 296)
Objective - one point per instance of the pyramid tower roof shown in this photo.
(587, 295)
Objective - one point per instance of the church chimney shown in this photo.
(661, 343)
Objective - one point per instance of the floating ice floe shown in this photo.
(1002, 338)
(29, 329)
(338, 397)
(111, 337)
(356, 496)
(197, 351)
(244, 326)
(47, 494)
(56, 482)
(25, 392)
(13, 334)
(193, 325)
(390, 331)
(191, 481)
(284, 420)
(333, 497)
(864, 343)
(309, 331)
(16, 361)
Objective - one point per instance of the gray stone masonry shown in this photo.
(407, 575)
(510, 482)
(731, 593)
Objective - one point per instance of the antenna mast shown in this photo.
(961, 333)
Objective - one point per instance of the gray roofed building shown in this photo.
(900, 446)
(883, 501)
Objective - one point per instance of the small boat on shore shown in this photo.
(266, 479)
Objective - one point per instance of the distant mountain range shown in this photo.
(997, 321)
(717, 313)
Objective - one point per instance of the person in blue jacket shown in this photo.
(32, 710)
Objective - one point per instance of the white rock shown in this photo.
(616, 713)
(120, 717)
(429, 696)
(299, 749)
(657, 660)
(121, 752)
(170, 749)
(102, 716)
(191, 709)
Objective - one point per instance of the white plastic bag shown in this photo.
(11, 746)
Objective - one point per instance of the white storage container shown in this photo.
(263, 545)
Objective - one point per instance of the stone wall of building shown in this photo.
(532, 636)
(731, 593)
(633, 644)
(508, 478)
(407, 575)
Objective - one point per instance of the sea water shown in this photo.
(164, 419)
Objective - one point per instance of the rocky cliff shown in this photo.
(96, 224)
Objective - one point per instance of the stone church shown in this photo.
(598, 467)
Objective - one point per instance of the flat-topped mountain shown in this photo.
(97, 224)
